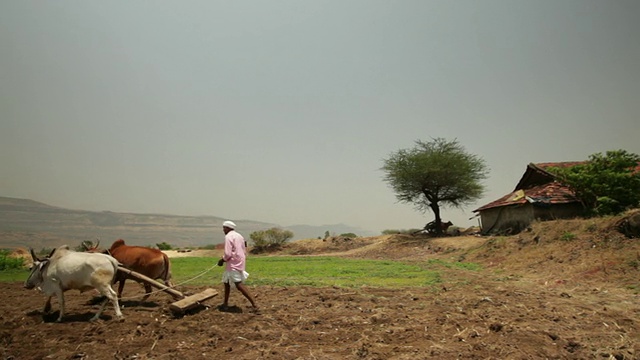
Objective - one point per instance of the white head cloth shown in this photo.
(229, 224)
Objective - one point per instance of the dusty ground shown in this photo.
(542, 294)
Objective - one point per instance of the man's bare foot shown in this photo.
(255, 310)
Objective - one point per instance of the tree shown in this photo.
(434, 174)
(606, 184)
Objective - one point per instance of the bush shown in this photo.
(349, 235)
(7, 262)
(85, 245)
(164, 246)
(271, 239)
(607, 184)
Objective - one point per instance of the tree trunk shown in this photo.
(436, 211)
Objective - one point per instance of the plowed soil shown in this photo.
(542, 294)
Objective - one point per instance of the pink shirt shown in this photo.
(234, 251)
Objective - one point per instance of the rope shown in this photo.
(171, 287)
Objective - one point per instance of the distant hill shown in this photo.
(29, 223)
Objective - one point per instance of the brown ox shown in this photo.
(152, 263)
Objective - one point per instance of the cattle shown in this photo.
(152, 263)
(66, 269)
(432, 228)
(444, 226)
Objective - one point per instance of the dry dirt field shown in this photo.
(563, 290)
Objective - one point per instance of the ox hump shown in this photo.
(117, 244)
(60, 251)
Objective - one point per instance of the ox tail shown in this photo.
(115, 264)
(166, 275)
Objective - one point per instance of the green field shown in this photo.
(305, 271)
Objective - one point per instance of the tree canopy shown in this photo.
(607, 184)
(434, 174)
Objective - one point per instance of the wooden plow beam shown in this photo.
(183, 302)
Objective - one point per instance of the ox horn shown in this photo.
(33, 255)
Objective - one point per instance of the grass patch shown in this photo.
(331, 271)
(317, 272)
(304, 271)
(14, 275)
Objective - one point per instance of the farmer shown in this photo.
(235, 257)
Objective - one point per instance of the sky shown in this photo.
(284, 111)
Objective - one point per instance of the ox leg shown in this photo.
(147, 290)
(47, 305)
(109, 295)
(120, 287)
(61, 301)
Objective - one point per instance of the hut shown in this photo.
(539, 195)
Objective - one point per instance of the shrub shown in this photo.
(84, 245)
(607, 184)
(349, 235)
(271, 239)
(164, 246)
(567, 236)
(7, 262)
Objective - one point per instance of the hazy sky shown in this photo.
(283, 111)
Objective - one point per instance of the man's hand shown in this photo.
(220, 262)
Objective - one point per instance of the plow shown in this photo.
(182, 302)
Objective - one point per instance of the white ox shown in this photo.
(65, 269)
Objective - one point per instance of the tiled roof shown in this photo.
(550, 193)
(537, 174)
